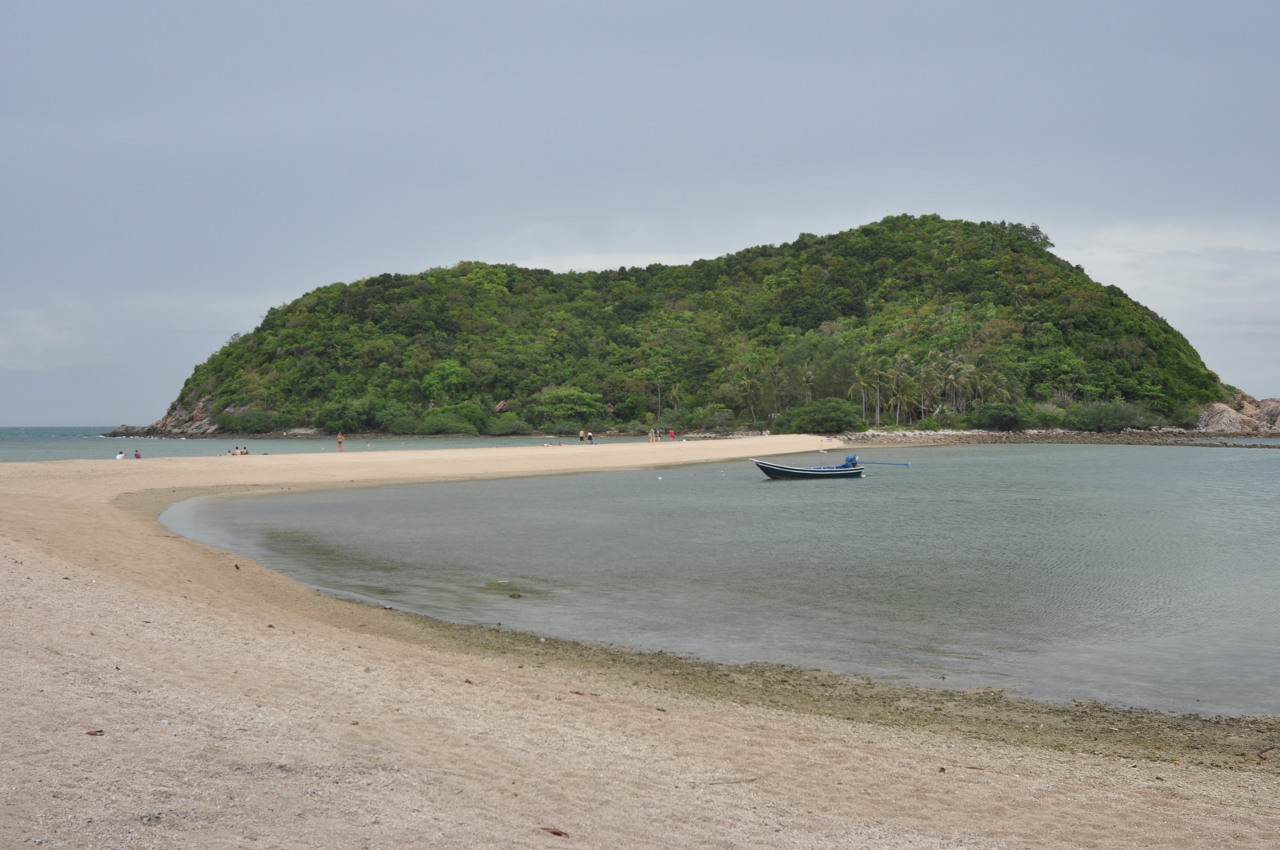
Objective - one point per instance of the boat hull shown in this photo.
(778, 472)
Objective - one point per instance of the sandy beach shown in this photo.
(158, 693)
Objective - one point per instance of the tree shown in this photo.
(824, 416)
(447, 382)
(910, 316)
(996, 416)
(565, 404)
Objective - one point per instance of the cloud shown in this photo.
(31, 341)
(1211, 270)
(1216, 282)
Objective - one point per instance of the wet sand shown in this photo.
(158, 693)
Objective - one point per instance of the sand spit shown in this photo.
(161, 694)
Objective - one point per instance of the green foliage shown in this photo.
(824, 416)
(997, 416)
(908, 319)
(507, 425)
(565, 405)
(347, 415)
(563, 428)
(396, 418)
(711, 417)
(1107, 416)
(1045, 415)
(467, 411)
(436, 422)
(249, 421)
(447, 381)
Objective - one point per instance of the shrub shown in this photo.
(446, 423)
(997, 416)
(713, 417)
(468, 411)
(396, 418)
(249, 421)
(565, 404)
(564, 428)
(507, 425)
(1045, 415)
(824, 416)
(1107, 416)
(346, 415)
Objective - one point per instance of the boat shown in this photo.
(849, 469)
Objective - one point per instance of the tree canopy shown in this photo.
(912, 319)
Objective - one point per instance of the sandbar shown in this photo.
(158, 693)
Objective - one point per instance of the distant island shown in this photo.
(912, 321)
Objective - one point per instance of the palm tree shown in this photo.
(748, 387)
(928, 380)
(902, 393)
(958, 383)
(900, 388)
(861, 382)
(879, 371)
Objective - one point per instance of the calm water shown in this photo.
(87, 443)
(1138, 576)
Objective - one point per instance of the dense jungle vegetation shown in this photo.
(916, 321)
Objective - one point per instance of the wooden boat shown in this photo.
(849, 469)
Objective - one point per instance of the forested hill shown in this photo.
(910, 320)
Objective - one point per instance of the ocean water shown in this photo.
(1139, 576)
(88, 443)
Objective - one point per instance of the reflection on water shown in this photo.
(1135, 575)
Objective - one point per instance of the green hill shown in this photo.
(908, 320)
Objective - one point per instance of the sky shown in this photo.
(171, 171)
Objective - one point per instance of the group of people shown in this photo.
(655, 436)
(121, 455)
(238, 450)
(586, 437)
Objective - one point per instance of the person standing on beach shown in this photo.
(591, 438)
(340, 439)
(582, 435)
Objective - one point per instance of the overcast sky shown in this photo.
(173, 170)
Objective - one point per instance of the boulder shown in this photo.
(1268, 415)
(1221, 419)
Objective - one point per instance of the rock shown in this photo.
(1221, 419)
(1269, 414)
(177, 422)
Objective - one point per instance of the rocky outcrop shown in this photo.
(1269, 413)
(1246, 415)
(177, 422)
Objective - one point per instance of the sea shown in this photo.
(1137, 576)
(91, 442)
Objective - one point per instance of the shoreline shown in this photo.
(121, 628)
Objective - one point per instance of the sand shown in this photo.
(157, 693)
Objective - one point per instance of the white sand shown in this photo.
(161, 694)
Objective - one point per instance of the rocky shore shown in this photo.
(1161, 437)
